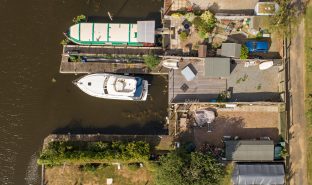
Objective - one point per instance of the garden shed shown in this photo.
(231, 50)
(217, 67)
(249, 150)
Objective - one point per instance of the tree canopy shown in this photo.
(181, 168)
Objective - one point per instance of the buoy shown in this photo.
(53, 80)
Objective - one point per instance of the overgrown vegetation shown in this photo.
(151, 61)
(75, 58)
(79, 19)
(58, 153)
(285, 16)
(182, 168)
(64, 42)
(308, 76)
(244, 52)
(205, 23)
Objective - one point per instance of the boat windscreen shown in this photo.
(139, 87)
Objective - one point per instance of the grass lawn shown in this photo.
(308, 75)
(72, 174)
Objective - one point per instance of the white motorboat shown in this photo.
(111, 86)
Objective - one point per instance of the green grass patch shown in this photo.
(308, 92)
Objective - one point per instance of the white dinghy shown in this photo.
(110, 86)
(170, 63)
(265, 65)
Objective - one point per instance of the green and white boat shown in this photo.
(140, 34)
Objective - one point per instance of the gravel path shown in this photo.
(297, 137)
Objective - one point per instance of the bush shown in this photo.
(75, 58)
(93, 152)
(244, 52)
(151, 61)
(183, 36)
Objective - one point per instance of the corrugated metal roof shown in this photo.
(264, 174)
(231, 50)
(249, 150)
(217, 67)
(146, 31)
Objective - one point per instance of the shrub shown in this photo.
(244, 52)
(75, 58)
(189, 16)
(151, 61)
(183, 35)
(90, 152)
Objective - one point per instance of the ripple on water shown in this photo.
(32, 173)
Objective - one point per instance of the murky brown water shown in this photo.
(32, 106)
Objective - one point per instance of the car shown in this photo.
(257, 46)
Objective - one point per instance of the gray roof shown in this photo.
(217, 67)
(231, 50)
(249, 150)
(146, 31)
(261, 173)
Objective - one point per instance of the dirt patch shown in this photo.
(245, 125)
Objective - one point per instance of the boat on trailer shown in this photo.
(111, 86)
(140, 34)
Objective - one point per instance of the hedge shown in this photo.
(58, 153)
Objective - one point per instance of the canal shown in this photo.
(36, 100)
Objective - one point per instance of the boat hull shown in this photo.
(93, 85)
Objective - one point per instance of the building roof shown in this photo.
(111, 33)
(249, 150)
(146, 31)
(231, 50)
(217, 67)
(256, 173)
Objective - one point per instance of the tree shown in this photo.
(285, 16)
(181, 168)
(205, 23)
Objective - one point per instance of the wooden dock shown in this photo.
(111, 50)
(109, 67)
